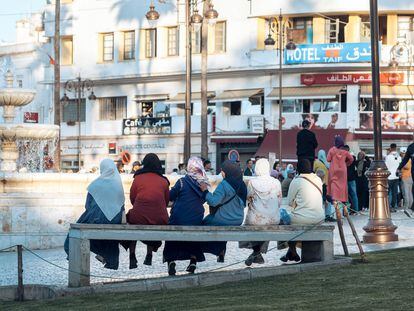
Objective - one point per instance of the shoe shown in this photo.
(171, 268)
(290, 257)
(406, 212)
(133, 263)
(100, 259)
(148, 260)
(191, 268)
(220, 258)
(393, 210)
(249, 261)
(259, 259)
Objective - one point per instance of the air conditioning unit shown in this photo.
(256, 124)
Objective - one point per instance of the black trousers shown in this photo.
(311, 160)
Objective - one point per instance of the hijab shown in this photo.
(107, 190)
(263, 184)
(195, 169)
(151, 164)
(322, 158)
(234, 178)
(339, 142)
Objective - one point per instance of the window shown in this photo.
(67, 50)
(196, 40)
(129, 45)
(70, 111)
(173, 41)
(112, 108)
(147, 109)
(388, 105)
(405, 26)
(150, 43)
(291, 105)
(299, 31)
(220, 37)
(108, 47)
(331, 30)
(19, 83)
(235, 108)
(324, 105)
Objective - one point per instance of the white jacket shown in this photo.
(392, 161)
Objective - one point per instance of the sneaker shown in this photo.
(148, 260)
(171, 268)
(259, 259)
(406, 212)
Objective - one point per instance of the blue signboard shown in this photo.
(329, 53)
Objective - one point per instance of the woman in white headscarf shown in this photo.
(104, 205)
(263, 194)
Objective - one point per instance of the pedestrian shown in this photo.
(249, 168)
(351, 178)
(264, 196)
(339, 160)
(286, 182)
(321, 163)
(187, 210)
(104, 205)
(362, 166)
(227, 204)
(393, 160)
(207, 167)
(406, 181)
(136, 166)
(181, 169)
(306, 143)
(120, 166)
(409, 155)
(149, 195)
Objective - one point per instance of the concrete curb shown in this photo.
(39, 292)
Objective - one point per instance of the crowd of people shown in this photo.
(281, 194)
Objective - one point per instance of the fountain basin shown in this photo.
(16, 97)
(13, 132)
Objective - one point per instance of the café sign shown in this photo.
(145, 126)
(392, 78)
(329, 53)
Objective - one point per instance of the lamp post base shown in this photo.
(379, 228)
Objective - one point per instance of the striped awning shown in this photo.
(387, 91)
(234, 95)
(306, 92)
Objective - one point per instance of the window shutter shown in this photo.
(211, 39)
(141, 41)
(100, 48)
(121, 46)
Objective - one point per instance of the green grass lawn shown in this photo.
(386, 282)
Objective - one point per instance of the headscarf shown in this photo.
(360, 166)
(339, 141)
(263, 184)
(234, 177)
(195, 169)
(304, 166)
(151, 164)
(107, 190)
(322, 158)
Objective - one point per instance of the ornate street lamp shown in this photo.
(191, 20)
(290, 46)
(78, 87)
(379, 228)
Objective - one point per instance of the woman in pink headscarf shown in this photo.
(339, 160)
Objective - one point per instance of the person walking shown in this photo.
(351, 178)
(362, 165)
(409, 155)
(406, 181)
(249, 168)
(393, 160)
(306, 143)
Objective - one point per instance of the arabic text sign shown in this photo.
(350, 78)
(329, 53)
(143, 125)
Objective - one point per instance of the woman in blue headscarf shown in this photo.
(227, 205)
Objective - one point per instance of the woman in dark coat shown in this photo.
(362, 164)
(227, 204)
(187, 210)
(149, 196)
(104, 205)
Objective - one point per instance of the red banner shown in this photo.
(31, 117)
(350, 78)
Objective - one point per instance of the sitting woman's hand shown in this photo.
(203, 187)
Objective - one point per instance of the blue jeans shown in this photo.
(393, 192)
(352, 194)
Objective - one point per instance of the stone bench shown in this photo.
(317, 241)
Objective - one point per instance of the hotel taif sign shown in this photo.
(329, 53)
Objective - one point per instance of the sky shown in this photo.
(13, 10)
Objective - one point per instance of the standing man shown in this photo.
(352, 190)
(409, 155)
(249, 168)
(406, 181)
(393, 160)
(306, 143)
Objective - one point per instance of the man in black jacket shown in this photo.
(306, 143)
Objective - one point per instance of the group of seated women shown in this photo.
(150, 195)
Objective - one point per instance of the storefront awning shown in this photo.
(247, 139)
(387, 91)
(233, 95)
(151, 97)
(270, 142)
(195, 96)
(305, 92)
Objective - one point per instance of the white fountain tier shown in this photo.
(13, 132)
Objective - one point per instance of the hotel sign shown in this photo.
(329, 53)
(392, 78)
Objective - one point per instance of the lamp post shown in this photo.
(194, 19)
(289, 46)
(379, 228)
(78, 87)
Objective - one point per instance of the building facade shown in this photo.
(138, 70)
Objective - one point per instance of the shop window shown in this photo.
(405, 27)
(235, 108)
(291, 105)
(70, 111)
(324, 105)
(112, 108)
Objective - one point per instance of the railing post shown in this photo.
(20, 288)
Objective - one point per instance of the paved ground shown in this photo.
(37, 271)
